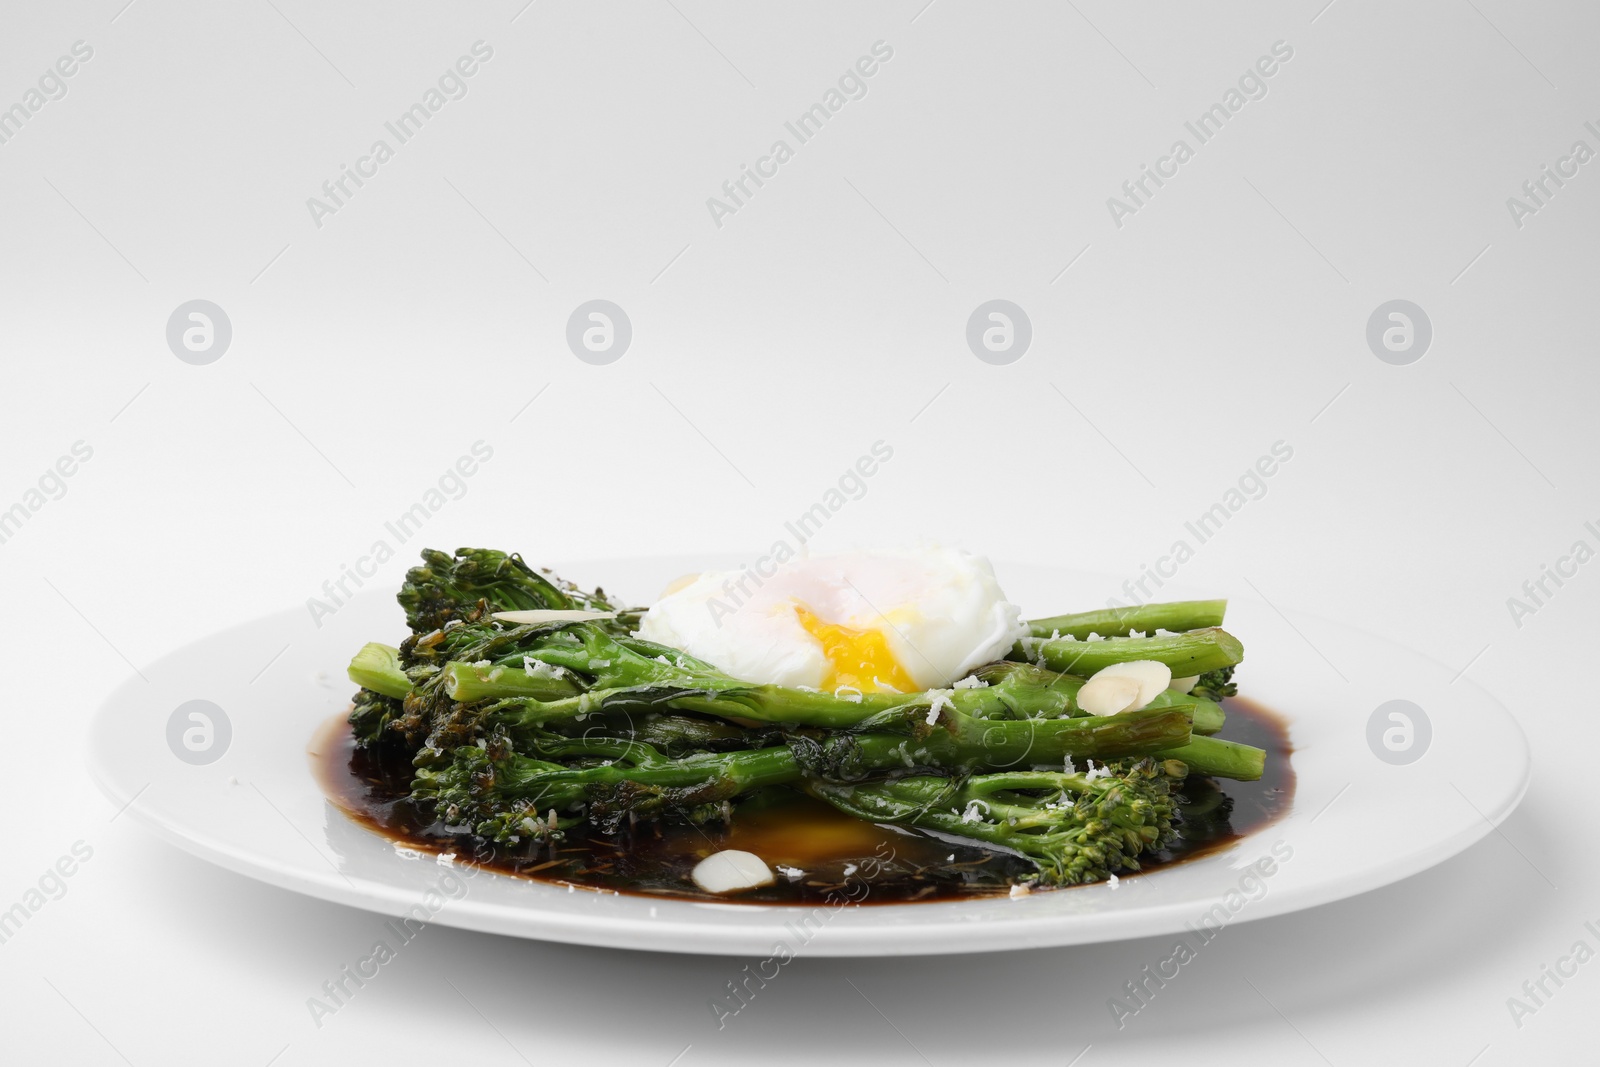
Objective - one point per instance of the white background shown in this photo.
(768, 353)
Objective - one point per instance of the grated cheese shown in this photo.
(538, 668)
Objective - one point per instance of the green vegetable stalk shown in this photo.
(1195, 652)
(1119, 622)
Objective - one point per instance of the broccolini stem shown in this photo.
(734, 771)
(503, 796)
(1208, 716)
(1177, 616)
(1189, 653)
(1219, 758)
(469, 682)
(973, 744)
(377, 667)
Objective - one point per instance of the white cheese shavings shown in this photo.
(1111, 880)
(941, 699)
(1021, 889)
(848, 692)
(972, 682)
(538, 668)
(1055, 635)
(1096, 772)
(1033, 647)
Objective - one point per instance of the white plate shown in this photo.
(1357, 822)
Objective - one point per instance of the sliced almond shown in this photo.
(540, 616)
(1103, 695)
(1184, 685)
(731, 871)
(1152, 677)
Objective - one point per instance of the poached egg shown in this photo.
(870, 622)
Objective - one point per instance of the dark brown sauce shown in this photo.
(839, 856)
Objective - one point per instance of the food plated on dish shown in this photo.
(887, 719)
(345, 828)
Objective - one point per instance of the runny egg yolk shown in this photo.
(860, 659)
